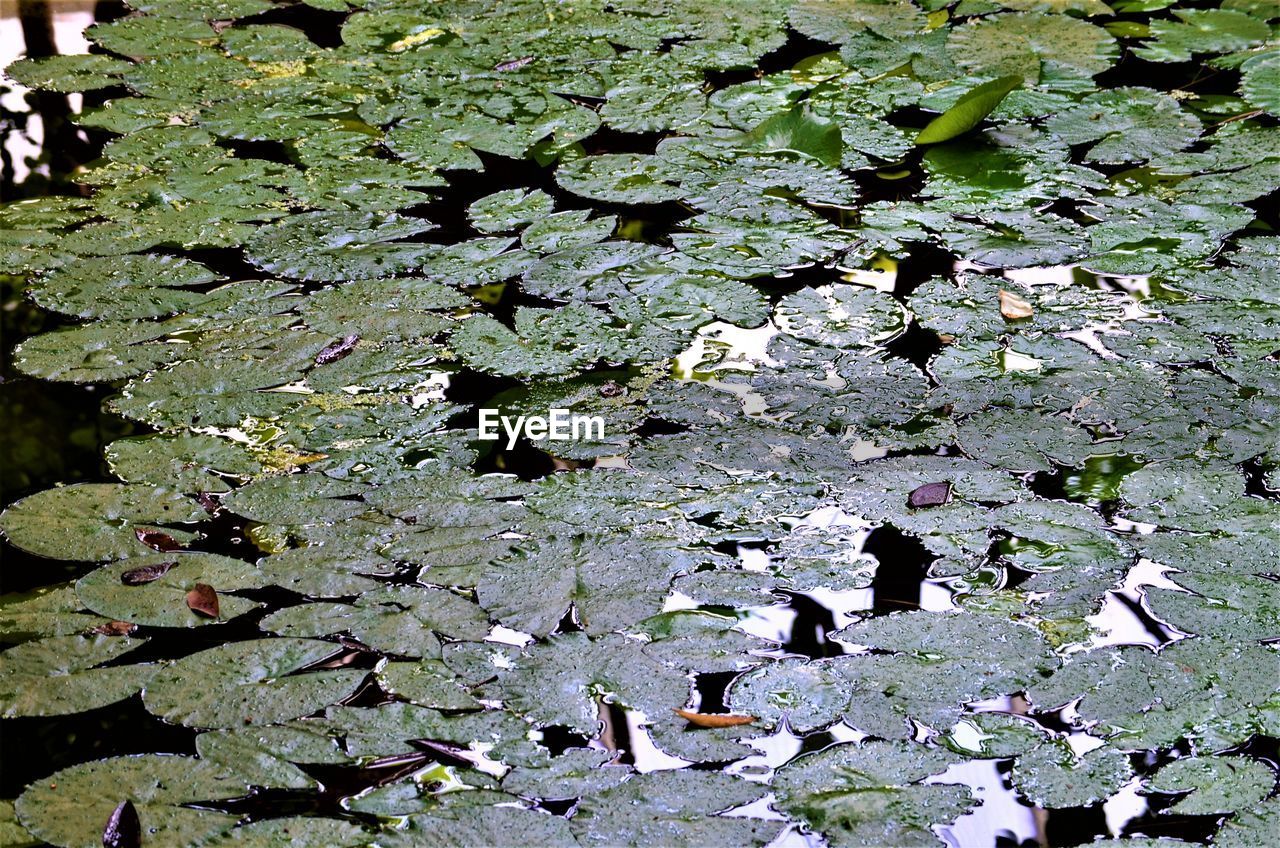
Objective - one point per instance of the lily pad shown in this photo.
(61, 675)
(71, 808)
(96, 521)
(256, 682)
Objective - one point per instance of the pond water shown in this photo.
(939, 480)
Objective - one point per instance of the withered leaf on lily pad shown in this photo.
(337, 350)
(157, 540)
(930, 494)
(146, 573)
(1013, 307)
(203, 599)
(114, 628)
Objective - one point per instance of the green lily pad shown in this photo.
(1217, 784)
(163, 602)
(70, 809)
(61, 675)
(97, 521)
(256, 682)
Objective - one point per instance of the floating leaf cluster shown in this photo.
(838, 275)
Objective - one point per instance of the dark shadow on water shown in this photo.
(34, 748)
(904, 564)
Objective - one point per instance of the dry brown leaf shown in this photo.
(338, 350)
(203, 600)
(159, 541)
(114, 628)
(1013, 307)
(930, 494)
(714, 719)
(146, 573)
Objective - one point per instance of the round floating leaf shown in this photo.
(618, 178)
(676, 808)
(1201, 31)
(805, 695)
(799, 131)
(60, 675)
(427, 683)
(1128, 124)
(265, 756)
(1052, 775)
(46, 611)
(191, 462)
(296, 832)
(558, 681)
(1260, 82)
(339, 245)
(400, 620)
(840, 316)
(508, 210)
(608, 586)
(868, 794)
(99, 352)
(325, 571)
(1017, 44)
(95, 521)
(144, 286)
(297, 499)
(84, 72)
(256, 682)
(70, 808)
(500, 827)
(573, 773)
(564, 230)
(1217, 784)
(162, 602)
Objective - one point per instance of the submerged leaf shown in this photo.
(799, 131)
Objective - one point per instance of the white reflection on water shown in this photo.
(1118, 623)
(1000, 813)
(70, 17)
